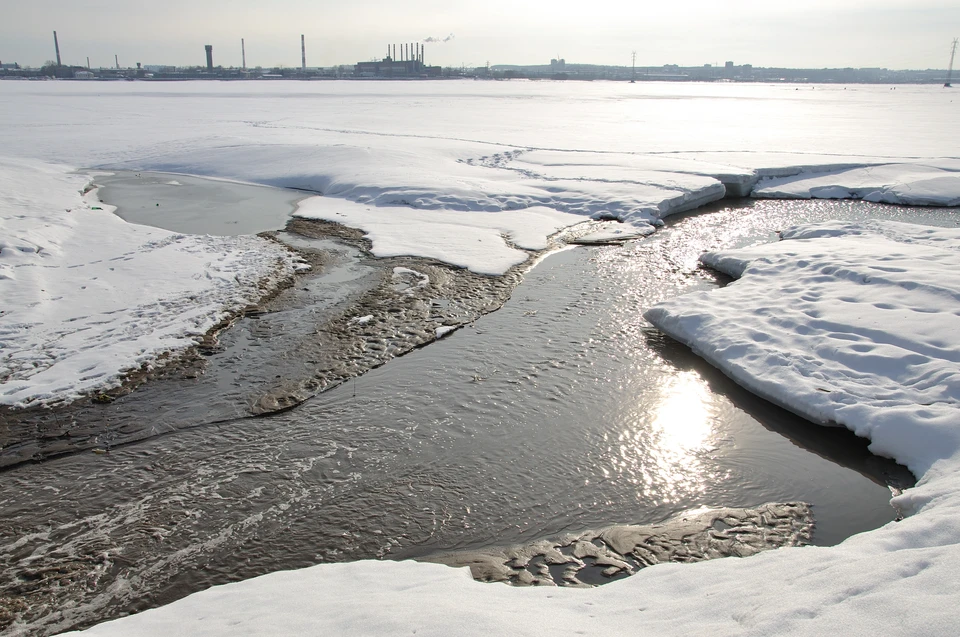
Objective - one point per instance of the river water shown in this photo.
(562, 411)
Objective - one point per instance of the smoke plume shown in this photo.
(433, 39)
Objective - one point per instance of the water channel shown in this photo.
(562, 411)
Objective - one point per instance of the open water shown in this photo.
(560, 412)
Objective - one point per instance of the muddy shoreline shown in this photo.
(591, 558)
(398, 306)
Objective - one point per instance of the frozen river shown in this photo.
(560, 412)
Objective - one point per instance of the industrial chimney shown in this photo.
(209, 50)
(243, 54)
(56, 45)
(303, 53)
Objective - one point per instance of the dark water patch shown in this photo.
(837, 444)
(196, 205)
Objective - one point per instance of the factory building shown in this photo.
(408, 63)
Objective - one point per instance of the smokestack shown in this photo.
(88, 62)
(243, 54)
(303, 53)
(56, 44)
(394, 52)
(209, 49)
(388, 51)
(116, 61)
(422, 47)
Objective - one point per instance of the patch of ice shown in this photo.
(613, 234)
(443, 330)
(406, 281)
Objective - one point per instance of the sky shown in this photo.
(896, 34)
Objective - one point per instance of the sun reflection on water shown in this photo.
(661, 449)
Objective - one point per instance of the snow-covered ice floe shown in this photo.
(908, 184)
(842, 323)
(850, 324)
(87, 296)
(484, 242)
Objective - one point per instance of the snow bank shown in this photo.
(88, 296)
(690, 179)
(849, 323)
(908, 184)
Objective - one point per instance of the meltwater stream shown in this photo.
(560, 412)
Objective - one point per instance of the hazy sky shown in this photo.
(896, 34)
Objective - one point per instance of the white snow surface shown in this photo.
(87, 296)
(444, 154)
(443, 330)
(474, 240)
(853, 324)
(909, 184)
(635, 153)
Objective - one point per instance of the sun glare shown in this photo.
(661, 453)
(682, 420)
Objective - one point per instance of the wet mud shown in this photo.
(591, 558)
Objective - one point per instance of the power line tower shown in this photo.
(633, 70)
(953, 54)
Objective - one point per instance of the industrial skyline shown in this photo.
(895, 34)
